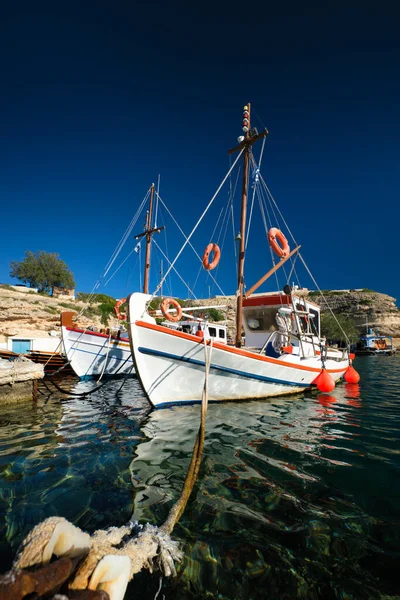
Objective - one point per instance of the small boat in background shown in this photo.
(373, 344)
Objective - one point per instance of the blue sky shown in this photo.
(97, 99)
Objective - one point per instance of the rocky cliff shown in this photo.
(365, 307)
(26, 312)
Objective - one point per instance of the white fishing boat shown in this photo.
(284, 354)
(94, 354)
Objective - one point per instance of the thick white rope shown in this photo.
(197, 224)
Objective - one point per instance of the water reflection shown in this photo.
(296, 497)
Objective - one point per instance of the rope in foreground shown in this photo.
(99, 566)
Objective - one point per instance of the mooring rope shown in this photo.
(82, 394)
(194, 466)
(108, 558)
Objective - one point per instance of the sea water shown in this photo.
(296, 497)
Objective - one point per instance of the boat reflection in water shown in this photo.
(276, 500)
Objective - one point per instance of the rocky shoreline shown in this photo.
(27, 313)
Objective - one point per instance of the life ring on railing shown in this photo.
(165, 306)
(217, 255)
(120, 316)
(274, 237)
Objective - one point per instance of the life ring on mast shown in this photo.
(165, 307)
(278, 242)
(217, 255)
(120, 316)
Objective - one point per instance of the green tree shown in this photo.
(106, 309)
(214, 314)
(332, 327)
(42, 270)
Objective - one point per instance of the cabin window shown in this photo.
(221, 333)
(212, 332)
(261, 319)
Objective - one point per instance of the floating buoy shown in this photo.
(351, 375)
(324, 382)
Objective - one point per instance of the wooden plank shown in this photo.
(270, 272)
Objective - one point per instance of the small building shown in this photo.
(25, 342)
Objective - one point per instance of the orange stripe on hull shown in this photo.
(238, 351)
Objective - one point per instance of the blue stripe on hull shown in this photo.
(194, 361)
(101, 355)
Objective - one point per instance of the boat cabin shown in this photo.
(210, 330)
(285, 320)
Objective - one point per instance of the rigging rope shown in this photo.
(190, 245)
(197, 224)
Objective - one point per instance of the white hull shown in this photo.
(171, 366)
(93, 354)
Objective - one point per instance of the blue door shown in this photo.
(21, 346)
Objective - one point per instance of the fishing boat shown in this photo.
(284, 350)
(105, 354)
(373, 344)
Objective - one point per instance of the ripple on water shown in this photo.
(296, 498)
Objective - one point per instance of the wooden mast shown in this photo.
(148, 232)
(250, 137)
(148, 243)
(240, 286)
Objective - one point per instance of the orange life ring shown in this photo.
(165, 304)
(120, 316)
(274, 236)
(217, 255)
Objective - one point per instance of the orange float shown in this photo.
(217, 255)
(324, 382)
(351, 375)
(165, 307)
(120, 316)
(278, 242)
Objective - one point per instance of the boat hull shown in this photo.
(171, 368)
(93, 354)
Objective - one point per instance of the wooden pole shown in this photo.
(270, 272)
(239, 303)
(148, 243)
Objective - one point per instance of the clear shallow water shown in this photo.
(296, 498)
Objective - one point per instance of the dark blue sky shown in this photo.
(98, 98)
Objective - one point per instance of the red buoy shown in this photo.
(351, 375)
(324, 382)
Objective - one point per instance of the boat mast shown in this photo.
(148, 232)
(240, 286)
(148, 243)
(245, 143)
